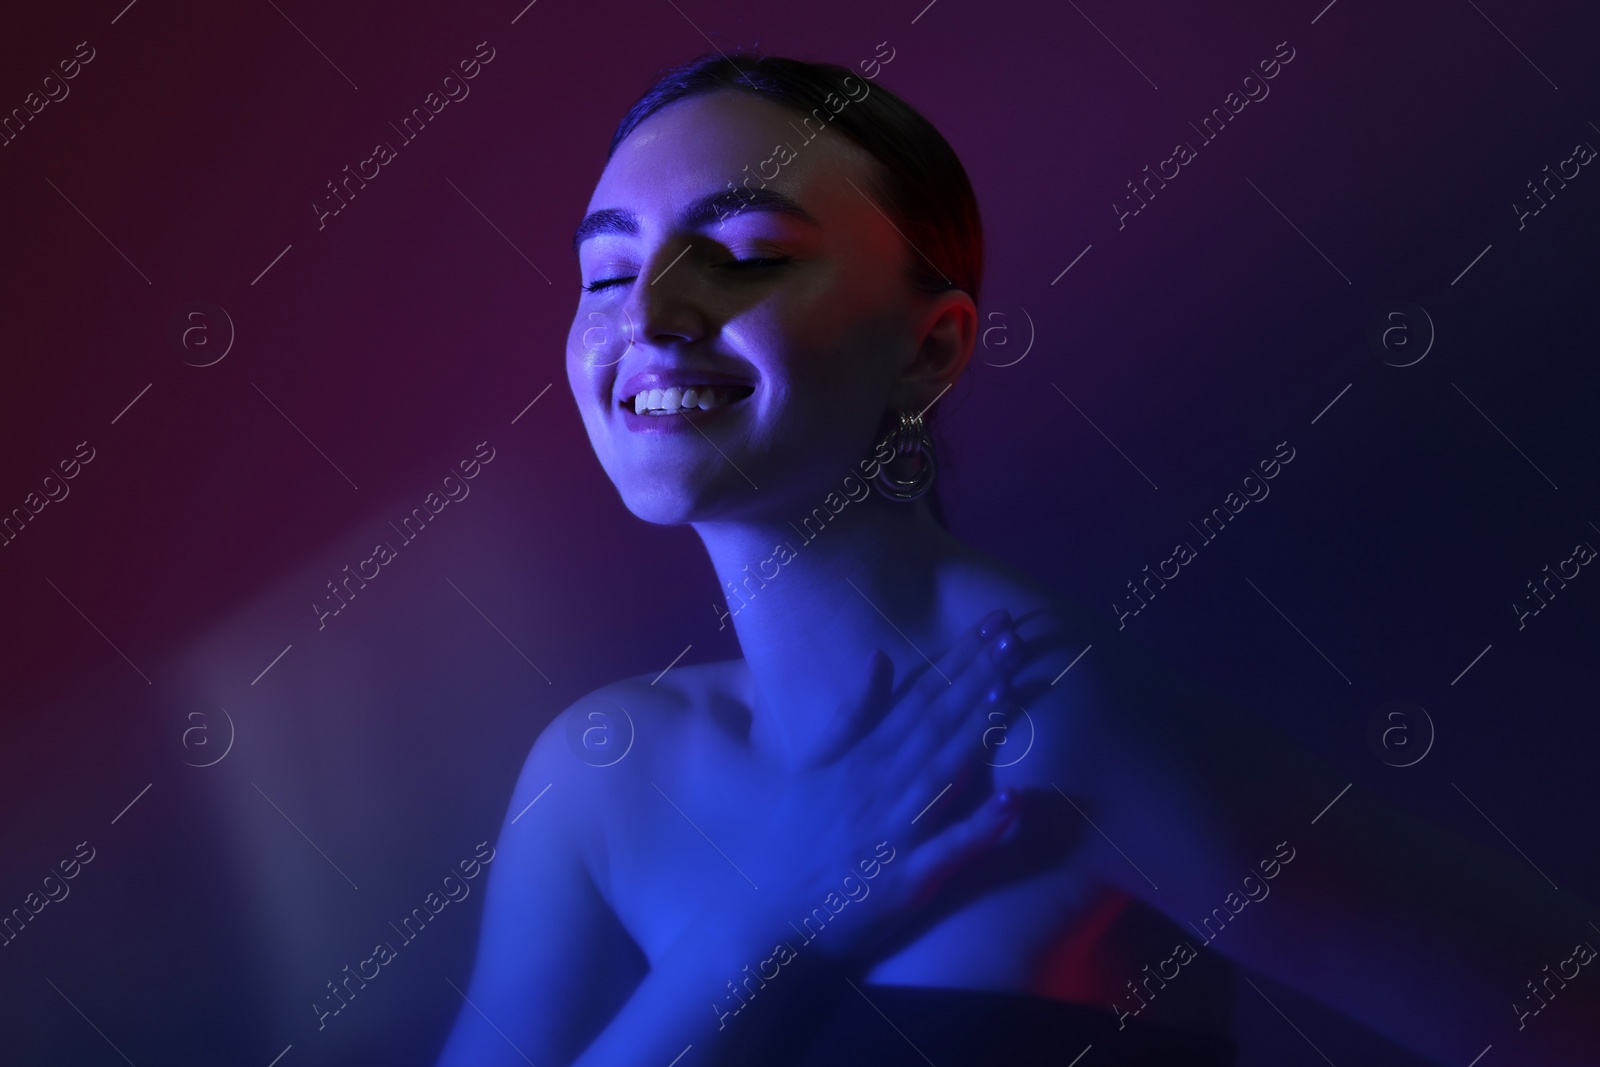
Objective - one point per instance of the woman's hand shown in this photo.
(854, 842)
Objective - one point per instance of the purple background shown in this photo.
(1196, 337)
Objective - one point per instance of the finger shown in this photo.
(954, 847)
(938, 795)
(917, 759)
(991, 666)
(919, 803)
(909, 712)
(960, 712)
(858, 715)
(961, 750)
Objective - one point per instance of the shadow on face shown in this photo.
(780, 311)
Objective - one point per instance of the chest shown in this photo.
(675, 842)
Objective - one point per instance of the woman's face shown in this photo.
(797, 330)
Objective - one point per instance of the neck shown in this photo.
(809, 604)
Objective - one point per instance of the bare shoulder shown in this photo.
(616, 739)
(1093, 708)
(648, 717)
(634, 725)
(1076, 655)
(1080, 685)
(1060, 633)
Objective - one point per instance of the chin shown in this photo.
(660, 509)
(663, 502)
(674, 490)
(679, 502)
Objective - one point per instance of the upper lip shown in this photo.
(666, 377)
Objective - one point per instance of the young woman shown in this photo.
(900, 829)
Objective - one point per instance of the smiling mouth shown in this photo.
(681, 401)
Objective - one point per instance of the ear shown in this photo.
(947, 332)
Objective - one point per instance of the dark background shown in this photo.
(1205, 331)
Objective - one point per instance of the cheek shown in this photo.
(586, 380)
(596, 340)
(816, 349)
(578, 377)
(589, 359)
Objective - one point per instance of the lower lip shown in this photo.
(682, 422)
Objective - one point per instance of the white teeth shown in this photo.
(675, 400)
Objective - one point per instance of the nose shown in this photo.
(663, 304)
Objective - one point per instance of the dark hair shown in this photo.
(920, 182)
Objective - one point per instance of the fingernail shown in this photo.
(1007, 650)
(994, 622)
(996, 693)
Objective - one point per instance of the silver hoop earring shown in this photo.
(909, 437)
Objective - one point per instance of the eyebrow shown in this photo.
(711, 208)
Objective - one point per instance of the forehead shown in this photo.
(698, 145)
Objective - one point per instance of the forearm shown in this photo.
(719, 990)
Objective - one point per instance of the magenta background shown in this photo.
(408, 330)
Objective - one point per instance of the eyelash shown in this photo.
(758, 262)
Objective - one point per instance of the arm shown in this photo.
(558, 980)
(552, 961)
(547, 978)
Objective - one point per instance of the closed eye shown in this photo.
(755, 263)
(766, 261)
